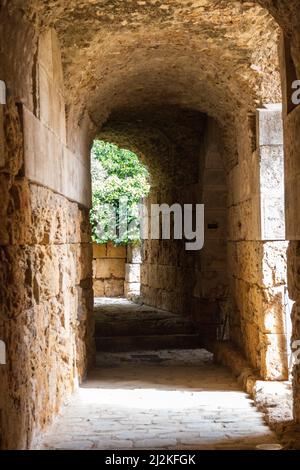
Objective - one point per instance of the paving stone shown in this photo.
(173, 404)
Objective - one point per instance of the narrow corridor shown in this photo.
(167, 400)
(155, 399)
(199, 103)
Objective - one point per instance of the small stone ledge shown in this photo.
(273, 399)
(227, 354)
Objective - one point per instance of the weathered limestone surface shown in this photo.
(258, 281)
(257, 250)
(121, 59)
(45, 253)
(191, 282)
(292, 172)
(109, 270)
(132, 286)
(193, 46)
(294, 291)
(164, 403)
(48, 160)
(46, 300)
(273, 399)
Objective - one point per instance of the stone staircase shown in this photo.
(123, 326)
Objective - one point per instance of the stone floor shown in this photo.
(119, 316)
(158, 400)
(122, 325)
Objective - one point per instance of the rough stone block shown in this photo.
(144, 274)
(56, 60)
(251, 342)
(132, 289)
(94, 268)
(272, 170)
(52, 105)
(50, 81)
(273, 218)
(168, 276)
(272, 192)
(45, 53)
(132, 272)
(43, 153)
(85, 260)
(134, 254)
(153, 277)
(246, 263)
(76, 178)
(51, 164)
(274, 264)
(99, 251)
(113, 287)
(114, 251)
(107, 268)
(214, 199)
(245, 220)
(273, 312)
(214, 285)
(293, 256)
(270, 126)
(274, 364)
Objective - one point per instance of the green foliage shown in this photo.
(117, 175)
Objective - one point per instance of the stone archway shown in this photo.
(220, 60)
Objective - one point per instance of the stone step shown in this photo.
(143, 327)
(147, 342)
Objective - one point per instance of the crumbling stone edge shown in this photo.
(276, 406)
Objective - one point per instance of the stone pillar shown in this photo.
(132, 285)
(271, 156)
(272, 324)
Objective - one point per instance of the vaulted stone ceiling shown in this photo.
(215, 56)
(167, 140)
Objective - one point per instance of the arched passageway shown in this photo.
(194, 91)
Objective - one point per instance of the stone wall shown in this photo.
(167, 274)
(109, 263)
(192, 282)
(136, 58)
(210, 294)
(48, 159)
(45, 305)
(45, 250)
(46, 296)
(257, 247)
(292, 181)
(132, 286)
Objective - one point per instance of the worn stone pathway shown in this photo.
(122, 325)
(158, 400)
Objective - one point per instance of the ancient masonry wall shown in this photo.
(257, 246)
(116, 270)
(45, 251)
(190, 282)
(211, 294)
(292, 179)
(109, 263)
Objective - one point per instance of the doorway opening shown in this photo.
(119, 183)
